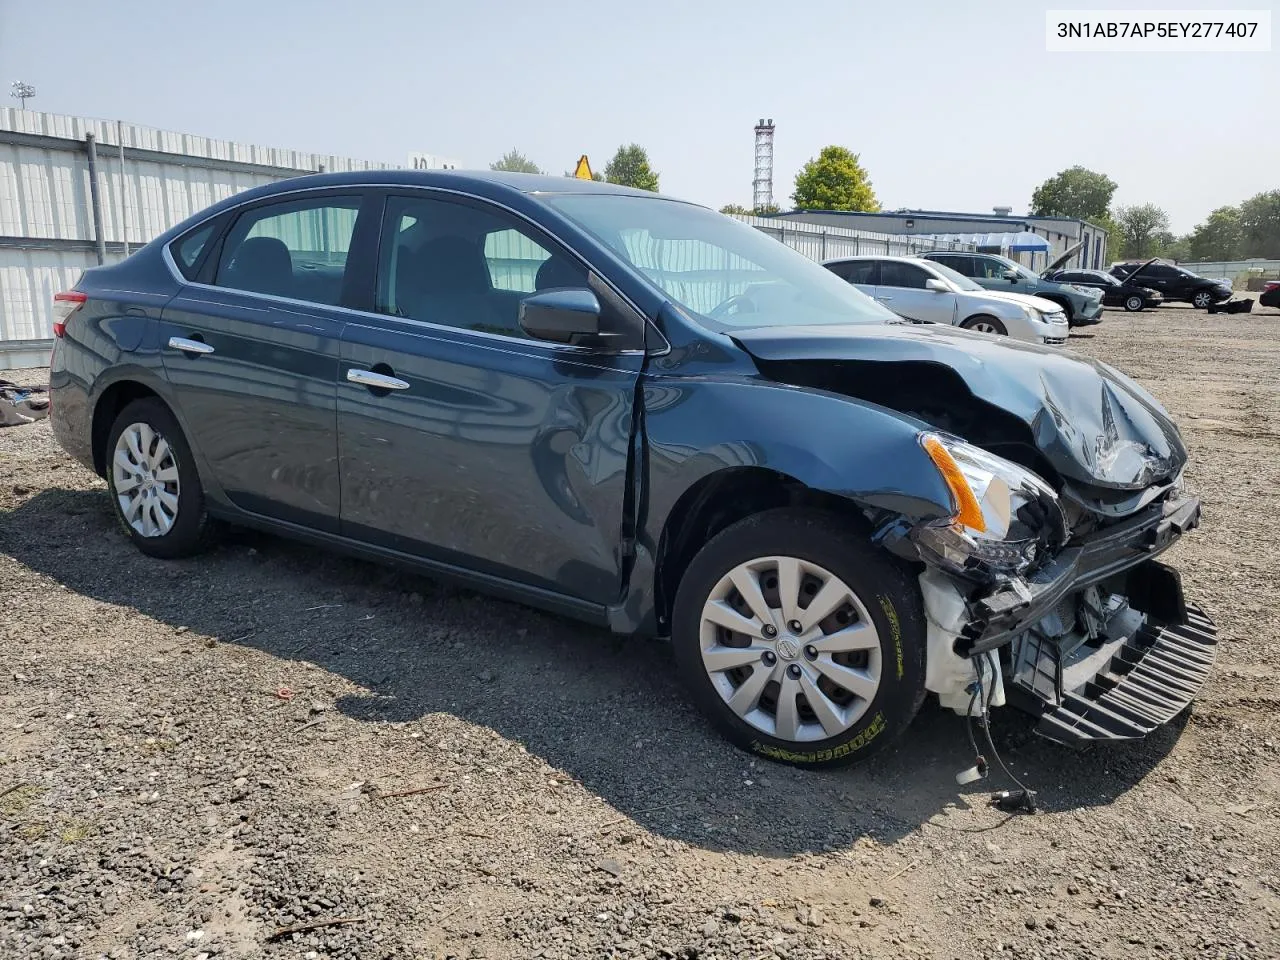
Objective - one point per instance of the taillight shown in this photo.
(64, 305)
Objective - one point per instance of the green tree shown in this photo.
(1218, 238)
(835, 180)
(735, 209)
(1171, 247)
(1139, 227)
(767, 210)
(1075, 192)
(630, 168)
(513, 161)
(1260, 225)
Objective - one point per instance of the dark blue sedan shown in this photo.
(636, 412)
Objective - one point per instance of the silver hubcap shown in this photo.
(790, 648)
(983, 326)
(145, 478)
(1134, 303)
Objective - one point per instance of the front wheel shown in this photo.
(799, 640)
(154, 485)
(1133, 303)
(1202, 299)
(985, 324)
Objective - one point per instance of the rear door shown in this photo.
(251, 350)
(902, 289)
(462, 440)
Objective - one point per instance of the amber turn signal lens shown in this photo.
(968, 514)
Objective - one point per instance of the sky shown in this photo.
(951, 106)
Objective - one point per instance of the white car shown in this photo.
(930, 292)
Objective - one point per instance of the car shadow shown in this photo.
(607, 711)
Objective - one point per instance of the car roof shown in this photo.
(459, 179)
(494, 185)
(874, 256)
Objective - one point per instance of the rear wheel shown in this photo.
(154, 486)
(799, 640)
(985, 324)
(1133, 303)
(1202, 299)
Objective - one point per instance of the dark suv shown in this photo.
(651, 417)
(1173, 282)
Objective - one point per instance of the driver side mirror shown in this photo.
(936, 285)
(565, 315)
(1011, 276)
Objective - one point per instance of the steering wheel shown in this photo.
(738, 303)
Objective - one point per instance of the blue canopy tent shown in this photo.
(1003, 243)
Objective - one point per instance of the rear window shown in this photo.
(187, 249)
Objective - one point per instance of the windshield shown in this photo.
(959, 279)
(718, 268)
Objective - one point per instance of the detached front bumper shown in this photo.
(1151, 678)
(1098, 644)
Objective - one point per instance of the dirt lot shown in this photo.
(158, 796)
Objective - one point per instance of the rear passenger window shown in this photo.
(186, 250)
(296, 250)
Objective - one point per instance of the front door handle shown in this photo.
(376, 381)
(884, 298)
(189, 346)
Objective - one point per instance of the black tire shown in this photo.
(193, 530)
(997, 326)
(1133, 303)
(888, 591)
(1201, 299)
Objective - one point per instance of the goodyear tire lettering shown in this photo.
(873, 730)
(895, 630)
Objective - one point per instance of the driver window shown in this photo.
(903, 275)
(988, 269)
(463, 266)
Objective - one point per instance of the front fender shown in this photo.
(828, 442)
(695, 427)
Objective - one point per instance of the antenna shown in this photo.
(762, 185)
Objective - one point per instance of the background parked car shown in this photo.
(1270, 294)
(1174, 282)
(1115, 292)
(1082, 305)
(932, 292)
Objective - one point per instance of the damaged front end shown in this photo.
(1042, 586)
(1082, 627)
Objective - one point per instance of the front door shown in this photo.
(463, 441)
(990, 273)
(252, 353)
(902, 289)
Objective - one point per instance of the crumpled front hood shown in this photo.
(1091, 422)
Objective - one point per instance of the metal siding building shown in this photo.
(48, 234)
(1061, 232)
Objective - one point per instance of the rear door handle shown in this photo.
(189, 346)
(884, 298)
(376, 381)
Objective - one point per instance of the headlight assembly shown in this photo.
(1005, 516)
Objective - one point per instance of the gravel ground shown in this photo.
(196, 754)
